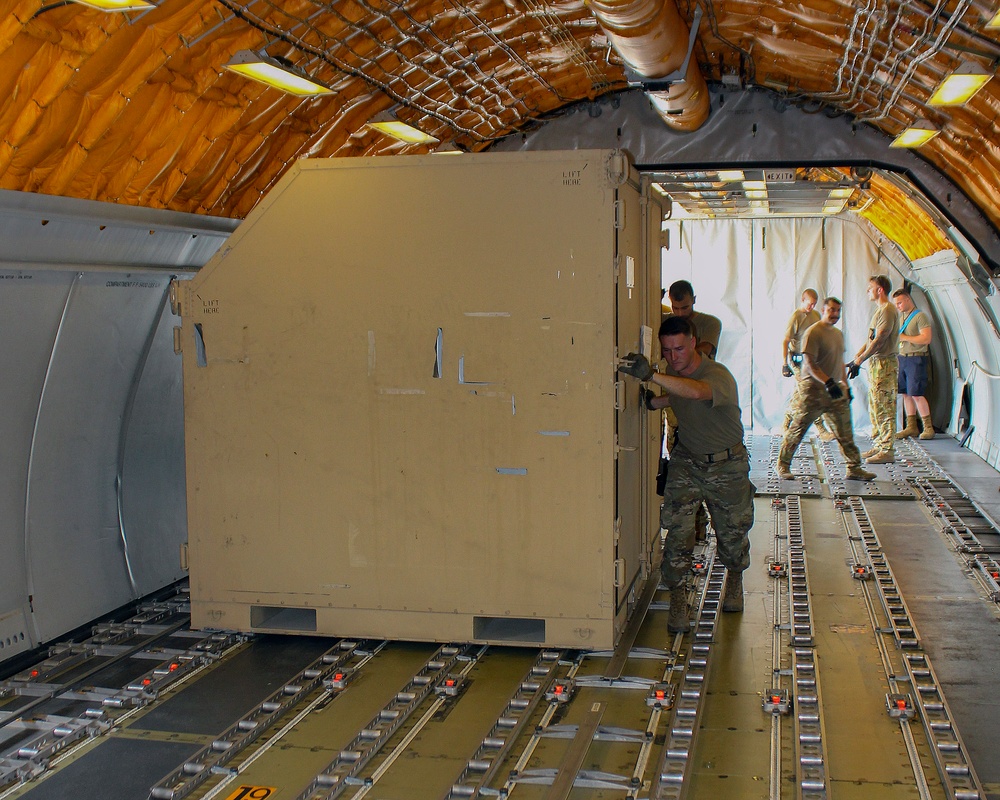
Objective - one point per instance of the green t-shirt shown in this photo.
(710, 426)
(914, 326)
(824, 345)
(885, 318)
(706, 328)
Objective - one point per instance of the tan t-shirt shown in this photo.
(885, 318)
(710, 426)
(917, 323)
(799, 323)
(824, 344)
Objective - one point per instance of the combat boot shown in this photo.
(858, 473)
(784, 471)
(928, 432)
(732, 600)
(911, 428)
(680, 616)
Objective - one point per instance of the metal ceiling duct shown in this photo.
(652, 39)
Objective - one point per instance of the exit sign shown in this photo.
(779, 175)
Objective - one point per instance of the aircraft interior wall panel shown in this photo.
(30, 308)
(76, 560)
(411, 434)
(153, 490)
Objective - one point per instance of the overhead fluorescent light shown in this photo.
(756, 194)
(834, 207)
(115, 5)
(270, 71)
(959, 87)
(841, 193)
(387, 123)
(754, 185)
(731, 175)
(920, 132)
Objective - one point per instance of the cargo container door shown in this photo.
(633, 334)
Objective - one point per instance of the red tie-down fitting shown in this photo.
(776, 701)
(900, 706)
(337, 682)
(661, 695)
(450, 686)
(561, 691)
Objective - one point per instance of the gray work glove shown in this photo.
(786, 371)
(636, 365)
(853, 370)
(647, 395)
(833, 389)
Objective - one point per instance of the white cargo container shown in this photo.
(403, 418)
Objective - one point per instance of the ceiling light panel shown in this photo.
(960, 86)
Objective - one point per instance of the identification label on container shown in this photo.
(252, 793)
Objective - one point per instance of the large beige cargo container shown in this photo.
(402, 414)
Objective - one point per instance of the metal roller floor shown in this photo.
(864, 666)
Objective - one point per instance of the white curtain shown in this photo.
(750, 274)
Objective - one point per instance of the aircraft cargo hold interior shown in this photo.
(348, 355)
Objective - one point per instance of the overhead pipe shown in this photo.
(655, 43)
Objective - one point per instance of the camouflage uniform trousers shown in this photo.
(883, 376)
(670, 434)
(821, 423)
(725, 487)
(810, 401)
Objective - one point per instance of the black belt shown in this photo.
(723, 455)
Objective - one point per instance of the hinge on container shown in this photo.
(619, 573)
(618, 529)
(619, 215)
(619, 395)
(184, 555)
(177, 340)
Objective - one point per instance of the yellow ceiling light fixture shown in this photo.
(841, 193)
(115, 5)
(959, 87)
(276, 73)
(917, 134)
(387, 123)
(995, 22)
(731, 175)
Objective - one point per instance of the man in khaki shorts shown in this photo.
(915, 334)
